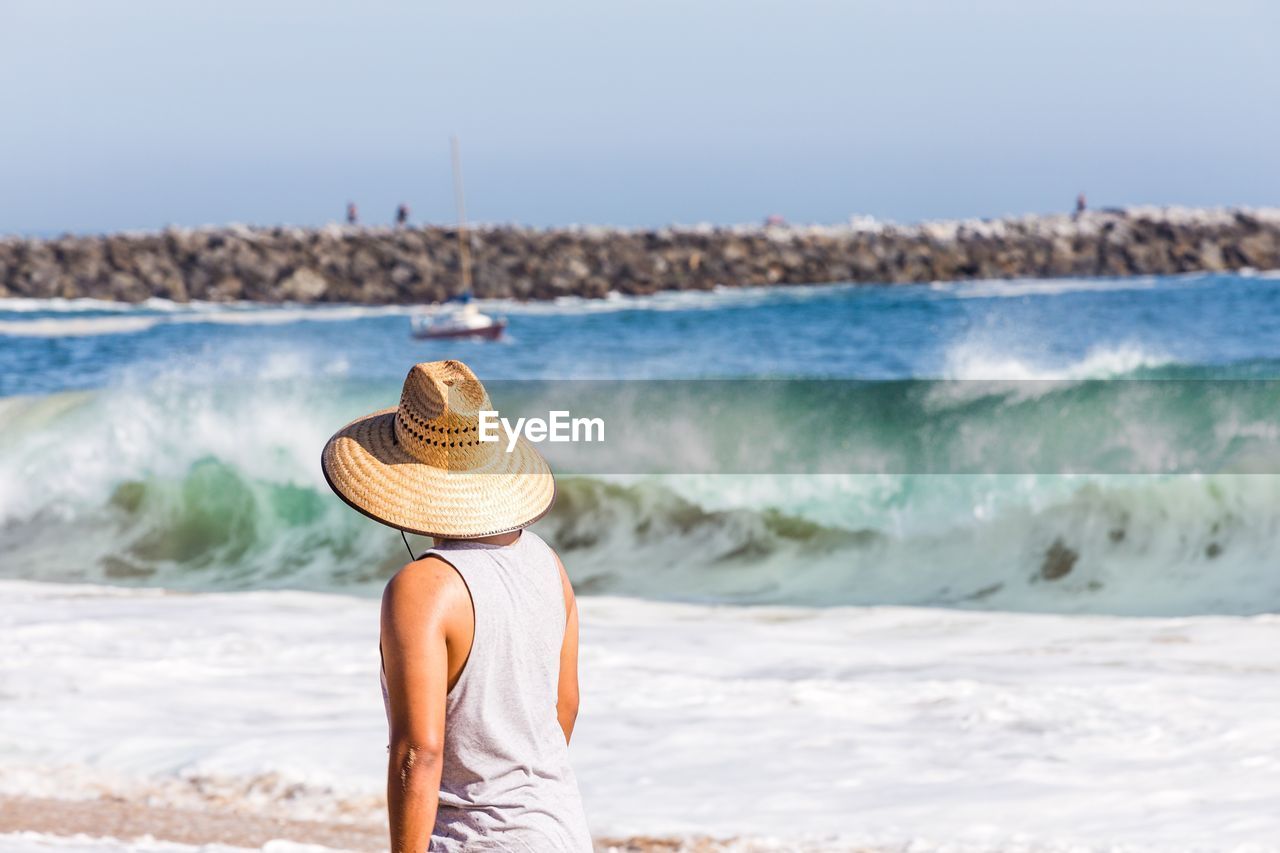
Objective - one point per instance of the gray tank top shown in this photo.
(506, 783)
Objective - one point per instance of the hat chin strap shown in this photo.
(407, 545)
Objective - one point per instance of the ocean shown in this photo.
(1062, 654)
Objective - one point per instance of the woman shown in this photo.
(479, 635)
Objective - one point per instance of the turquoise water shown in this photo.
(178, 445)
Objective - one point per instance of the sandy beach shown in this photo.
(110, 820)
(107, 824)
(115, 818)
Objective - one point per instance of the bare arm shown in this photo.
(567, 694)
(415, 612)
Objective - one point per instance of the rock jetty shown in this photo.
(417, 265)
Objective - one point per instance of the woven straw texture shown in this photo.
(421, 467)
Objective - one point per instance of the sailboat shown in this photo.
(458, 317)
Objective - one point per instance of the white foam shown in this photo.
(47, 327)
(79, 305)
(982, 361)
(132, 319)
(154, 304)
(1020, 287)
(24, 304)
(668, 300)
(157, 311)
(39, 842)
(294, 314)
(980, 731)
(145, 318)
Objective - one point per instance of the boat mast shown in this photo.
(464, 248)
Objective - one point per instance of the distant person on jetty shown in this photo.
(402, 215)
(479, 634)
(353, 215)
(1081, 204)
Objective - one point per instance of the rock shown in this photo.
(126, 287)
(303, 285)
(422, 264)
(403, 275)
(228, 289)
(577, 269)
(1058, 561)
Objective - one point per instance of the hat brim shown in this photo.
(366, 467)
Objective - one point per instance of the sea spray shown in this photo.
(218, 487)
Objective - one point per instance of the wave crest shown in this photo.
(168, 486)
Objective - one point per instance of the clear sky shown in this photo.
(141, 114)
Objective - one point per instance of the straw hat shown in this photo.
(421, 466)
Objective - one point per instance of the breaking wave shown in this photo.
(218, 487)
(980, 362)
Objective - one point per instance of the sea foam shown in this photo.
(882, 727)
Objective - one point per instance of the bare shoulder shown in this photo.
(425, 586)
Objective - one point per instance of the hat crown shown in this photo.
(422, 468)
(438, 419)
